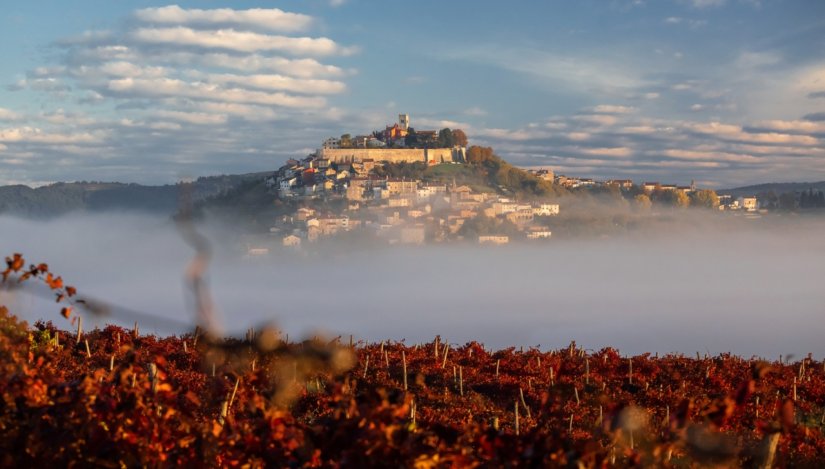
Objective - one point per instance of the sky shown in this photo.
(723, 92)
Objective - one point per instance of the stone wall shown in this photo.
(391, 155)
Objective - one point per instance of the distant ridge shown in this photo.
(776, 187)
(61, 198)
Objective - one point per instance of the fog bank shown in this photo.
(751, 291)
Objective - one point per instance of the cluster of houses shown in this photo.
(398, 211)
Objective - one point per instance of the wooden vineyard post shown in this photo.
(515, 410)
(79, 328)
(404, 366)
(523, 402)
(153, 377)
(446, 351)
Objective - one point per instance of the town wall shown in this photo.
(392, 155)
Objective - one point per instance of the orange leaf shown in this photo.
(56, 283)
(66, 312)
(71, 291)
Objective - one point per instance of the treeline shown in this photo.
(61, 198)
(789, 201)
(504, 176)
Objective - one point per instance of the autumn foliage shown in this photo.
(132, 400)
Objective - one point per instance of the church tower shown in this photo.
(404, 122)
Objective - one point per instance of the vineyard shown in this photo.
(117, 398)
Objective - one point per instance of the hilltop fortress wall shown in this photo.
(392, 155)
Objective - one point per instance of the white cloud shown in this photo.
(279, 82)
(757, 59)
(271, 18)
(242, 41)
(36, 135)
(475, 112)
(9, 115)
(607, 151)
(198, 118)
(707, 3)
(170, 87)
(254, 63)
(126, 69)
(598, 119)
(792, 126)
(613, 109)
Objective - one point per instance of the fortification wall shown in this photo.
(391, 155)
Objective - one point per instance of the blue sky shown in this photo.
(724, 92)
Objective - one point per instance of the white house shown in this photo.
(546, 210)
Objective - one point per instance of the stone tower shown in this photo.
(404, 122)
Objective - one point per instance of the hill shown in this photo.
(775, 187)
(61, 198)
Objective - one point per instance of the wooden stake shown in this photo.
(446, 352)
(516, 413)
(79, 328)
(576, 391)
(185, 348)
(460, 381)
(587, 371)
(770, 452)
(435, 348)
(404, 364)
(570, 427)
(498, 362)
(111, 362)
(630, 370)
(523, 402)
(234, 390)
(153, 377)
(366, 366)
(136, 331)
(89, 352)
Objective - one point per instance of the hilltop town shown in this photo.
(399, 185)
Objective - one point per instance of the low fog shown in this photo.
(752, 290)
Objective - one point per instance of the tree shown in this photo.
(680, 199)
(346, 141)
(643, 202)
(411, 139)
(705, 198)
(445, 138)
(459, 138)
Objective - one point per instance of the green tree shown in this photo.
(445, 138)
(346, 141)
(411, 140)
(705, 198)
